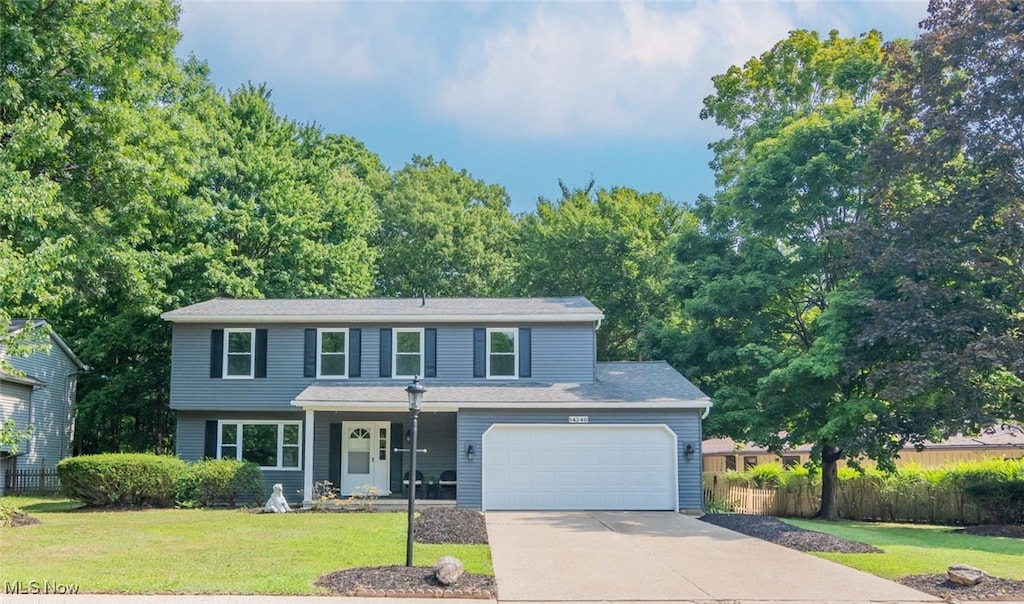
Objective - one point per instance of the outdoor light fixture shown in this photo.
(689, 451)
(415, 392)
(470, 452)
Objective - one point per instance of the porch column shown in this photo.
(307, 465)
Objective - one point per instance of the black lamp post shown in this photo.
(415, 392)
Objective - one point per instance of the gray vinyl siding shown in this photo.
(50, 410)
(686, 424)
(191, 440)
(436, 435)
(560, 353)
(16, 404)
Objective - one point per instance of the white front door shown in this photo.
(365, 457)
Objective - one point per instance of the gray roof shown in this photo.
(618, 384)
(388, 309)
(1006, 435)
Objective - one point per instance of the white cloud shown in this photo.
(603, 69)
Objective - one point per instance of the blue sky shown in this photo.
(520, 94)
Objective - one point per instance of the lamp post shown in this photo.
(415, 392)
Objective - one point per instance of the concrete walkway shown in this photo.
(662, 556)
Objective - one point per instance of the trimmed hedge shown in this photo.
(219, 482)
(129, 479)
(966, 492)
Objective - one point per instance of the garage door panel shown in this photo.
(600, 467)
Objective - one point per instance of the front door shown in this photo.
(365, 456)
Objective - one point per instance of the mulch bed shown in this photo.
(19, 519)
(433, 525)
(777, 531)
(991, 589)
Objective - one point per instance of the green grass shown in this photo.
(912, 549)
(207, 551)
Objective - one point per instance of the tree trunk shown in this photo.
(830, 457)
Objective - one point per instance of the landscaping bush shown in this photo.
(935, 495)
(120, 479)
(219, 482)
(1001, 501)
(7, 512)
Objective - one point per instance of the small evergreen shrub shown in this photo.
(768, 476)
(120, 479)
(213, 482)
(7, 512)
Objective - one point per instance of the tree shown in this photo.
(765, 305)
(443, 233)
(942, 260)
(612, 246)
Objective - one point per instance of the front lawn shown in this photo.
(208, 551)
(912, 549)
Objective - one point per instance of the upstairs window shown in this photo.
(408, 358)
(501, 353)
(332, 360)
(239, 353)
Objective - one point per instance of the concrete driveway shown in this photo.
(662, 556)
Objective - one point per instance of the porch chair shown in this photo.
(405, 482)
(447, 481)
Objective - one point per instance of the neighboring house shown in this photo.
(1004, 441)
(42, 396)
(516, 404)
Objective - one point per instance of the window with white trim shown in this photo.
(502, 346)
(239, 353)
(270, 445)
(408, 353)
(332, 353)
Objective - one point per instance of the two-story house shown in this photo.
(39, 395)
(516, 405)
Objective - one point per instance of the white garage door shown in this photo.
(579, 467)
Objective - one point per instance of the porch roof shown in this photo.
(618, 385)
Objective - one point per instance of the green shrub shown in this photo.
(219, 482)
(7, 512)
(1002, 501)
(768, 476)
(128, 479)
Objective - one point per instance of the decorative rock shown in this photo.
(277, 503)
(448, 570)
(962, 574)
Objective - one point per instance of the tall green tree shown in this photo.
(443, 233)
(765, 302)
(612, 246)
(943, 261)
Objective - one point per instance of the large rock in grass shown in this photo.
(962, 574)
(448, 570)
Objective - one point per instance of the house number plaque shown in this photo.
(579, 419)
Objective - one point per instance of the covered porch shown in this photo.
(358, 448)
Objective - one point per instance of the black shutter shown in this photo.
(479, 352)
(210, 444)
(385, 352)
(355, 352)
(524, 352)
(261, 354)
(217, 353)
(334, 457)
(309, 354)
(430, 352)
(397, 442)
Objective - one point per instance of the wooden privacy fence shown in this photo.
(867, 499)
(31, 480)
